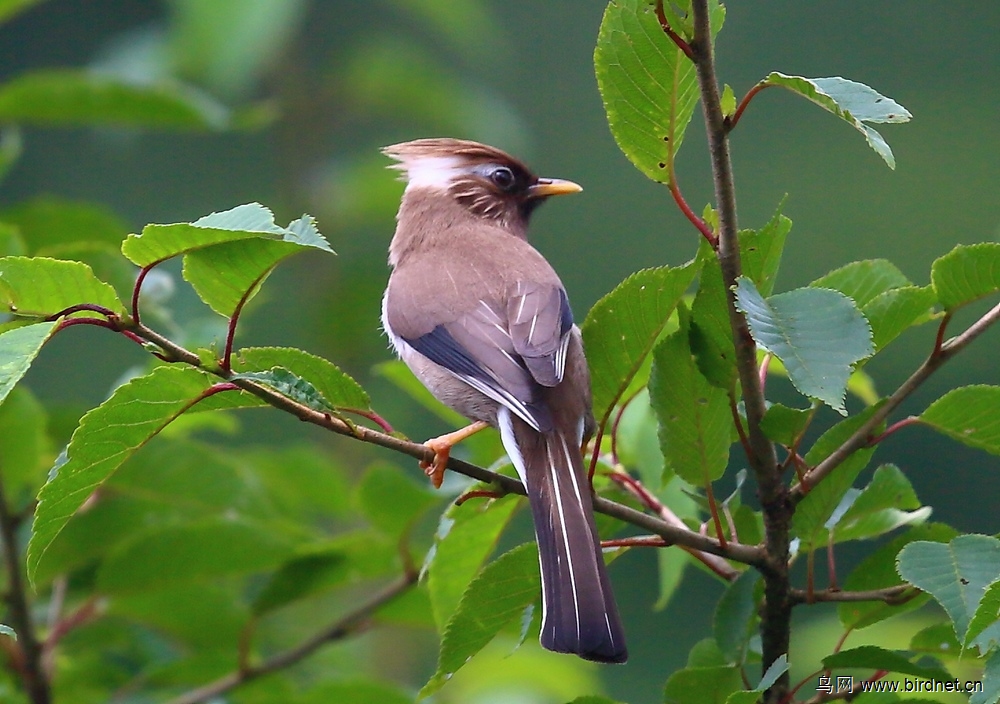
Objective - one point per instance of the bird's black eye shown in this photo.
(503, 178)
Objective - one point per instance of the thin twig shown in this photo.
(898, 594)
(939, 355)
(355, 621)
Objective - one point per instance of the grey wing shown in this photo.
(506, 350)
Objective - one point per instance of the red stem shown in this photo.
(99, 322)
(702, 226)
(939, 340)
(735, 117)
(138, 287)
(831, 563)
(597, 451)
(714, 509)
(234, 319)
(911, 420)
(92, 307)
(668, 30)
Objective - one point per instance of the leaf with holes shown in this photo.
(648, 85)
(853, 102)
(955, 574)
(817, 333)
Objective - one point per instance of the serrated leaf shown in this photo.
(894, 311)
(969, 414)
(817, 333)
(702, 685)
(695, 420)
(77, 97)
(956, 574)
(984, 620)
(159, 242)
(501, 592)
(863, 280)
(467, 534)
(106, 437)
(732, 624)
(622, 327)
(38, 287)
(227, 255)
(878, 571)
(872, 657)
(966, 273)
(18, 349)
(325, 377)
(290, 385)
(853, 102)
(990, 681)
(648, 85)
(196, 552)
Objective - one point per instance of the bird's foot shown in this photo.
(442, 451)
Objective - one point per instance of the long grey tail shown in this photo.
(579, 614)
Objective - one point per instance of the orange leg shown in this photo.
(442, 450)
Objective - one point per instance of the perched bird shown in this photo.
(484, 322)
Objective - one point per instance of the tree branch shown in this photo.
(898, 594)
(501, 483)
(28, 649)
(351, 623)
(777, 509)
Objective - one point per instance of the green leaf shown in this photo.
(894, 311)
(622, 328)
(817, 333)
(761, 250)
(648, 85)
(878, 571)
(695, 420)
(702, 685)
(106, 437)
(500, 594)
(391, 499)
(968, 414)
(38, 287)
(24, 446)
(783, 424)
(48, 222)
(812, 513)
(887, 503)
(467, 535)
(956, 574)
(853, 102)
(990, 680)
(733, 623)
(227, 255)
(76, 97)
(872, 657)
(196, 552)
(987, 614)
(318, 567)
(863, 280)
(326, 378)
(10, 8)
(159, 242)
(937, 640)
(18, 349)
(728, 100)
(966, 273)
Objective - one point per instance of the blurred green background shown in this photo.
(344, 77)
